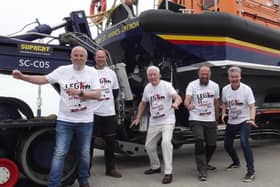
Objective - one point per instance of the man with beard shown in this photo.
(202, 102)
(160, 95)
(238, 98)
(78, 86)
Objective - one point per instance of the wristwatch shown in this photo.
(81, 94)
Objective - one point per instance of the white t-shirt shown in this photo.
(202, 97)
(159, 98)
(73, 108)
(108, 81)
(238, 102)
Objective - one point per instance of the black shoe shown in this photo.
(114, 173)
(202, 178)
(232, 166)
(212, 168)
(152, 171)
(167, 179)
(249, 177)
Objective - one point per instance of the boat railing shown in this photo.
(240, 8)
(129, 12)
(105, 22)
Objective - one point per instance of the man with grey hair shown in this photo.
(202, 102)
(78, 85)
(239, 100)
(160, 95)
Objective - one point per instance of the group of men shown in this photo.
(202, 101)
(85, 91)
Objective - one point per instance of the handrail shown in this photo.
(240, 8)
(86, 42)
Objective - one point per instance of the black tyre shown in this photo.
(34, 154)
(11, 109)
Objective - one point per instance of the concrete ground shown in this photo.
(267, 164)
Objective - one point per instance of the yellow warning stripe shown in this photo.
(217, 39)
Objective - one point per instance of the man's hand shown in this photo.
(72, 91)
(224, 118)
(252, 122)
(175, 106)
(190, 107)
(17, 74)
(135, 122)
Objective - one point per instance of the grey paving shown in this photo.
(267, 163)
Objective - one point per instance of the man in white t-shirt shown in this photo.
(160, 95)
(78, 86)
(202, 102)
(104, 114)
(238, 98)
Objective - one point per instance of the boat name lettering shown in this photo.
(118, 31)
(130, 26)
(114, 33)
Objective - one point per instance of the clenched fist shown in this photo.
(17, 74)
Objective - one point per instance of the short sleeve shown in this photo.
(55, 75)
(224, 99)
(171, 89)
(145, 97)
(189, 89)
(95, 83)
(217, 91)
(250, 96)
(115, 85)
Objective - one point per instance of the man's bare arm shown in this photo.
(217, 108)
(139, 114)
(177, 101)
(34, 79)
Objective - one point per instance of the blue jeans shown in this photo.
(231, 131)
(64, 134)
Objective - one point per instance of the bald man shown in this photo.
(202, 102)
(105, 114)
(78, 84)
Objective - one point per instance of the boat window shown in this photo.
(172, 6)
(121, 13)
(208, 3)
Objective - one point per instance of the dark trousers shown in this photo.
(205, 135)
(231, 131)
(106, 127)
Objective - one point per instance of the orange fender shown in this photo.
(101, 8)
